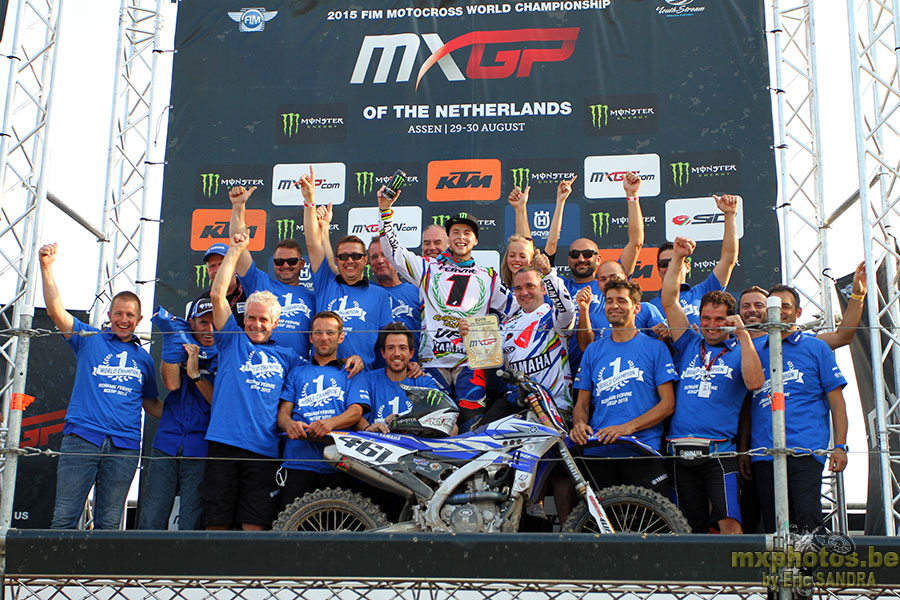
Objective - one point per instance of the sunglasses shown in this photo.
(279, 262)
(663, 263)
(348, 255)
(584, 253)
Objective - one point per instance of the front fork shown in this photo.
(584, 490)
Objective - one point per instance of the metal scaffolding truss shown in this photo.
(874, 54)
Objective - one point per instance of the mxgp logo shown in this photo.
(286, 229)
(37, 429)
(681, 173)
(599, 115)
(210, 183)
(521, 177)
(600, 222)
(501, 64)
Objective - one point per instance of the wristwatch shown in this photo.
(843, 447)
(196, 379)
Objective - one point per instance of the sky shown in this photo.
(79, 141)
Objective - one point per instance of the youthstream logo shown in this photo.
(600, 222)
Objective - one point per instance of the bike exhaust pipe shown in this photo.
(366, 473)
(468, 497)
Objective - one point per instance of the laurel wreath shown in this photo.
(436, 294)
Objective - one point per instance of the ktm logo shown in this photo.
(645, 272)
(209, 226)
(460, 180)
(553, 45)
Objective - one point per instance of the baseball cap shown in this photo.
(464, 219)
(200, 307)
(219, 248)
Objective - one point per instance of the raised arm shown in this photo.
(843, 335)
(311, 231)
(63, 320)
(324, 215)
(584, 334)
(564, 311)
(409, 266)
(239, 196)
(671, 288)
(219, 292)
(751, 368)
(629, 256)
(518, 199)
(562, 193)
(728, 204)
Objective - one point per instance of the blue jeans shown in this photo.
(82, 465)
(166, 477)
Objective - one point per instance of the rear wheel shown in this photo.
(630, 509)
(330, 510)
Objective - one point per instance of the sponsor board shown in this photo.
(493, 55)
(645, 272)
(366, 222)
(632, 114)
(441, 219)
(209, 225)
(716, 172)
(487, 259)
(251, 20)
(679, 8)
(539, 218)
(464, 180)
(542, 175)
(699, 219)
(366, 178)
(330, 183)
(311, 124)
(213, 182)
(604, 175)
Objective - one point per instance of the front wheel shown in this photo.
(330, 510)
(630, 509)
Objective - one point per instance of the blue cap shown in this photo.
(220, 249)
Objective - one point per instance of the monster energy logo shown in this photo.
(521, 177)
(681, 173)
(600, 221)
(210, 183)
(440, 219)
(599, 115)
(202, 276)
(364, 182)
(286, 229)
(291, 122)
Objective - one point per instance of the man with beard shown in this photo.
(625, 387)
(363, 308)
(405, 305)
(297, 303)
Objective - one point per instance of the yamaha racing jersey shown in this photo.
(449, 290)
(535, 342)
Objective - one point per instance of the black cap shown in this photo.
(463, 218)
(201, 306)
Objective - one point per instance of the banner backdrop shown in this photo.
(471, 99)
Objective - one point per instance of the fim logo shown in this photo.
(210, 183)
(202, 276)
(600, 221)
(521, 177)
(542, 219)
(286, 229)
(252, 19)
(291, 122)
(681, 173)
(364, 182)
(599, 115)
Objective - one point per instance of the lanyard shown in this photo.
(713, 361)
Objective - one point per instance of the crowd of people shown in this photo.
(263, 368)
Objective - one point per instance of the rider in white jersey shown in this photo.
(451, 287)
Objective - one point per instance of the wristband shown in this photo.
(859, 297)
(387, 214)
(841, 447)
(196, 379)
(632, 198)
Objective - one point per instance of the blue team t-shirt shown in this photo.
(318, 392)
(648, 317)
(248, 386)
(406, 307)
(365, 310)
(387, 397)
(690, 297)
(714, 417)
(112, 378)
(298, 305)
(810, 373)
(622, 378)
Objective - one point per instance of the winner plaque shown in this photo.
(483, 343)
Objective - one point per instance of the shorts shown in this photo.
(238, 487)
(706, 490)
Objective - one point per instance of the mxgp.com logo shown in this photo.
(557, 45)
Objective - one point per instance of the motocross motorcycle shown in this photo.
(477, 482)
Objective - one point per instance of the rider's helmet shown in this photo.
(433, 413)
